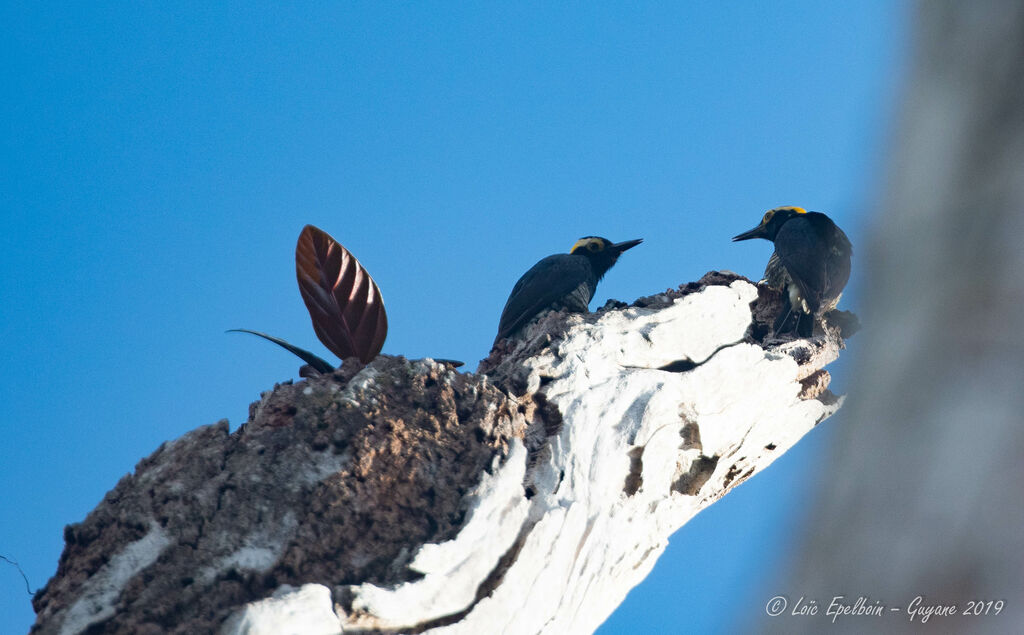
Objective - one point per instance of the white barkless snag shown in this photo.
(553, 542)
(405, 496)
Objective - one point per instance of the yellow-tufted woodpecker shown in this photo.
(811, 264)
(562, 281)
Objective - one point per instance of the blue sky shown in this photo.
(159, 162)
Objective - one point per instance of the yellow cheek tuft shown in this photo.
(788, 208)
(580, 244)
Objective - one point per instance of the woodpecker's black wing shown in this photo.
(816, 254)
(838, 262)
(546, 283)
(803, 252)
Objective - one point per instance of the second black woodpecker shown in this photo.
(562, 281)
(811, 264)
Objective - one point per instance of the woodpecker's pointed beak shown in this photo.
(757, 232)
(626, 244)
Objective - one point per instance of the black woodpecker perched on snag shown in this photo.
(562, 281)
(811, 263)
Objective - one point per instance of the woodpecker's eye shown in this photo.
(595, 246)
(768, 217)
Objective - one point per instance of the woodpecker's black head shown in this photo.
(770, 224)
(601, 252)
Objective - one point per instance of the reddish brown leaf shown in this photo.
(343, 300)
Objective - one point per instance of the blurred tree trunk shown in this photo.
(925, 494)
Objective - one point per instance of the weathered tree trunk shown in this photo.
(924, 494)
(405, 496)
